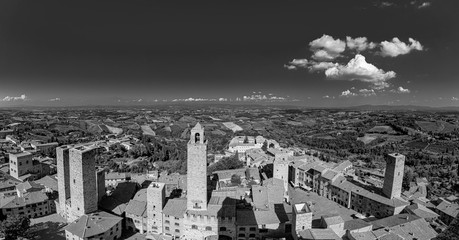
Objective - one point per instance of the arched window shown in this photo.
(197, 137)
(208, 228)
(194, 227)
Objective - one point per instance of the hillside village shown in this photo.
(230, 173)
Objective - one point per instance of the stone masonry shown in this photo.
(63, 178)
(393, 177)
(156, 199)
(197, 170)
(83, 183)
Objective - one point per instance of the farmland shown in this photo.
(436, 126)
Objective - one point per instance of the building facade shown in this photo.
(20, 164)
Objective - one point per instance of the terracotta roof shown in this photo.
(394, 220)
(175, 207)
(348, 186)
(343, 166)
(418, 229)
(49, 182)
(27, 199)
(141, 195)
(319, 234)
(450, 209)
(421, 211)
(226, 174)
(136, 208)
(93, 224)
(116, 175)
(9, 183)
(330, 175)
(29, 186)
(332, 220)
(355, 224)
(259, 217)
(218, 207)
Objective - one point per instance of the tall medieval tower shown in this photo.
(197, 170)
(83, 182)
(393, 178)
(280, 170)
(63, 178)
(156, 199)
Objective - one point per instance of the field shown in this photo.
(436, 127)
(366, 139)
(417, 144)
(442, 147)
(146, 129)
(382, 129)
(322, 136)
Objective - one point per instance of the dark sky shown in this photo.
(99, 52)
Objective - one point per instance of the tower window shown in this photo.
(194, 227)
(197, 137)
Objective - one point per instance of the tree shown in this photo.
(14, 227)
(236, 180)
(264, 147)
(408, 177)
(225, 164)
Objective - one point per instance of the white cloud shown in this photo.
(454, 99)
(326, 96)
(367, 92)
(359, 43)
(327, 48)
(397, 47)
(424, 5)
(386, 4)
(54, 99)
(321, 66)
(290, 67)
(347, 93)
(23, 97)
(296, 63)
(400, 90)
(223, 99)
(358, 69)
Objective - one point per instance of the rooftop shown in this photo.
(93, 224)
(175, 207)
(451, 209)
(27, 199)
(136, 208)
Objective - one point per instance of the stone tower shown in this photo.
(393, 177)
(83, 182)
(301, 218)
(280, 170)
(197, 170)
(100, 176)
(20, 164)
(156, 199)
(63, 178)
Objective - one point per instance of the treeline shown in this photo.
(226, 163)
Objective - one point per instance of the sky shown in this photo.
(310, 53)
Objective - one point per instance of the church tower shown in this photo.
(197, 170)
